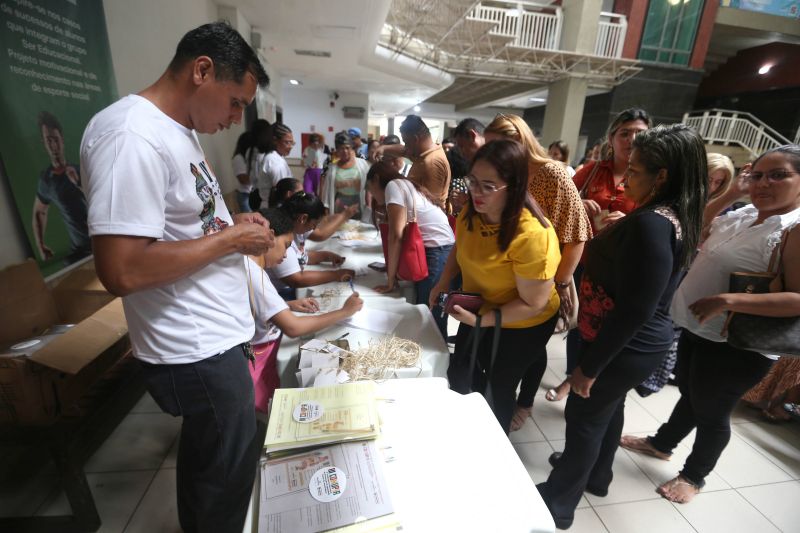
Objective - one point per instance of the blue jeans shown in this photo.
(436, 257)
(243, 201)
(218, 449)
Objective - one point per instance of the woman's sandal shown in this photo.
(642, 445)
(678, 490)
(521, 415)
(793, 409)
(774, 411)
(559, 393)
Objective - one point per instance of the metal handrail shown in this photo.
(530, 29)
(734, 127)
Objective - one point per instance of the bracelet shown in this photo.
(562, 284)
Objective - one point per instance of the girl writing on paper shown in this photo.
(273, 315)
(403, 199)
(306, 211)
(507, 251)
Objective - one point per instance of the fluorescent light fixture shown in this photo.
(294, 82)
(764, 69)
(417, 109)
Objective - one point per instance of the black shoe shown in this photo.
(555, 457)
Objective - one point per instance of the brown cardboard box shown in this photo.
(36, 389)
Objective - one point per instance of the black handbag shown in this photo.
(464, 373)
(757, 333)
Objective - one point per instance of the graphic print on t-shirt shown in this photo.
(208, 190)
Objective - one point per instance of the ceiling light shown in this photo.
(764, 69)
(537, 99)
(417, 109)
(294, 82)
(674, 2)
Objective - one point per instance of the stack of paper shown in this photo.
(304, 418)
(319, 365)
(325, 488)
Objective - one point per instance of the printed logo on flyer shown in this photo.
(327, 484)
(307, 412)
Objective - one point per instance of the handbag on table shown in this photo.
(412, 265)
(757, 333)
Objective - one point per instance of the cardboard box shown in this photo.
(36, 389)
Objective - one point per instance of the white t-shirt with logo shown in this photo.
(145, 175)
(266, 302)
(432, 221)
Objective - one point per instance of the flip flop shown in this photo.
(552, 395)
(678, 490)
(642, 445)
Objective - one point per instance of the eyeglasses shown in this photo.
(773, 175)
(481, 187)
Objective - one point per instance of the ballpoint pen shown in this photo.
(352, 288)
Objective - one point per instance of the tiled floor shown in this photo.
(755, 487)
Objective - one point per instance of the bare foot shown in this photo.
(559, 393)
(679, 490)
(642, 445)
(521, 414)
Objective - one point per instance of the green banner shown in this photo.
(55, 74)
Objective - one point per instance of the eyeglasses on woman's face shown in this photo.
(481, 187)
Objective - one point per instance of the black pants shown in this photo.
(594, 427)
(533, 376)
(712, 376)
(516, 352)
(218, 450)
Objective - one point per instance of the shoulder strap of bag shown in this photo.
(495, 344)
(411, 189)
(589, 180)
(476, 340)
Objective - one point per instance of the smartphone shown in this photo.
(380, 267)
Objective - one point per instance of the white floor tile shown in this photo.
(140, 442)
(549, 416)
(659, 404)
(742, 466)
(654, 516)
(587, 521)
(146, 405)
(659, 471)
(638, 419)
(171, 460)
(557, 349)
(724, 511)
(778, 502)
(780, 443)
(527, 433)
(116, 496)
(158, 510)
(629, 484)
(534, 456)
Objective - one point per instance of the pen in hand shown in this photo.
(352, 288)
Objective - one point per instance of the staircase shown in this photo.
(740, 135)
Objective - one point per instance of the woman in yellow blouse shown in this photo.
(507, 251)
(554, 190)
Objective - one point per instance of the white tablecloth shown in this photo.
(454, 469)
(417, 323)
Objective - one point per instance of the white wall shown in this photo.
(303, 108)
(143, 35)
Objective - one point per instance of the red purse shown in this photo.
(412, 264)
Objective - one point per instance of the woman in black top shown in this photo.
(631, 270)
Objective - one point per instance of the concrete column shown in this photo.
(564, 112)
(566, 98)
(390, 126)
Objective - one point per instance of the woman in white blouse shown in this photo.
(402, 198)
(712, 374)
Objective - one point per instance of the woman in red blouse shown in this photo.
(600, 185)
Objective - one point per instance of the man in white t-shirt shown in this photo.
(164, 241)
